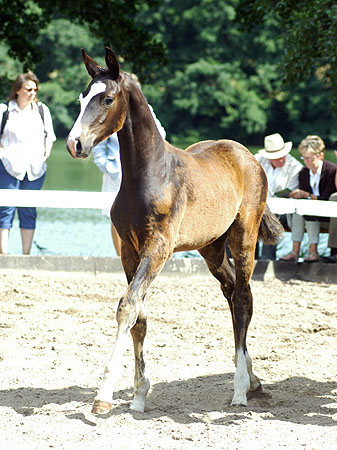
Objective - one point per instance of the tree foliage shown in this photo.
(62, 75)
(223, 81)
(47, 36)
(309, 32)
(219, 81)
(210, 84)
(113, 21)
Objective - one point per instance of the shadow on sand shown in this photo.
(296, 399)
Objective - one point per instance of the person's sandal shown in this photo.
(312, 257)
(290, 257)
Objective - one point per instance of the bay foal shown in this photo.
(172, 200)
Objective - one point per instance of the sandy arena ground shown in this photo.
(57, 333)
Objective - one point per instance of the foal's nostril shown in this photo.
(75, 148)
(80, 151)
(78, 148)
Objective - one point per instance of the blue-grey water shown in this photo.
(66, 232)
(86, 232)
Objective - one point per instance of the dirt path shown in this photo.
(57, 332)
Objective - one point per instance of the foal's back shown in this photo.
(216, 178)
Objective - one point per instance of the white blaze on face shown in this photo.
(96, 88)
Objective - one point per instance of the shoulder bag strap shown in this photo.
(4, 119)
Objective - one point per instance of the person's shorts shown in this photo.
(27, 215)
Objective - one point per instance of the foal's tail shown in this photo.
(271, 230)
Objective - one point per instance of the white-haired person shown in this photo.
(317, 181)
(282, 171)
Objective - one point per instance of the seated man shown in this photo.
(282, 171)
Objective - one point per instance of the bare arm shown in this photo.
(300, 193)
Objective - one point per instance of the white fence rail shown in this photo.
(318, 208)
(56, 199)
(104, 200)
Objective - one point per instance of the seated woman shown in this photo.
(317, 181)
(332, 243)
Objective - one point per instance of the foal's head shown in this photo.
(103, 105)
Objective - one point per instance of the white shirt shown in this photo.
(23, 140)
(314, 178)
(285, 177)
(107, 159)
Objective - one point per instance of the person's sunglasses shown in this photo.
(31, 89)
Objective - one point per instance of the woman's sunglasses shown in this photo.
(31, 89)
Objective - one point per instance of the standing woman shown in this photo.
(25, 145)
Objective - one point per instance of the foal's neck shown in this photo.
(141, 144)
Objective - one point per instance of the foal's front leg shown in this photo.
(127, 313)
(141, 383)
(131, 317)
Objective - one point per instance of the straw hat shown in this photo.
(275, 147)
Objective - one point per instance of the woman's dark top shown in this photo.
(326, 185)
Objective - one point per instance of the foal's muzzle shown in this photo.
(74, 147)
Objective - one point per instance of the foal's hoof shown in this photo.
(239, 400)
(101, 407)
(138, 404)
(256, 387)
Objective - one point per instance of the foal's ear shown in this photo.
(92, 67)
(112, 63)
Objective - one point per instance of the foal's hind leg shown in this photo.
(217, 261)
(241, 310)
(141, 383)
(242, 245)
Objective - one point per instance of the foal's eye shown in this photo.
(108, 101)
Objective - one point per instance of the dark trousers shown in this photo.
(268, 252)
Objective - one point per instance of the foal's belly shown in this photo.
(203, 227)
